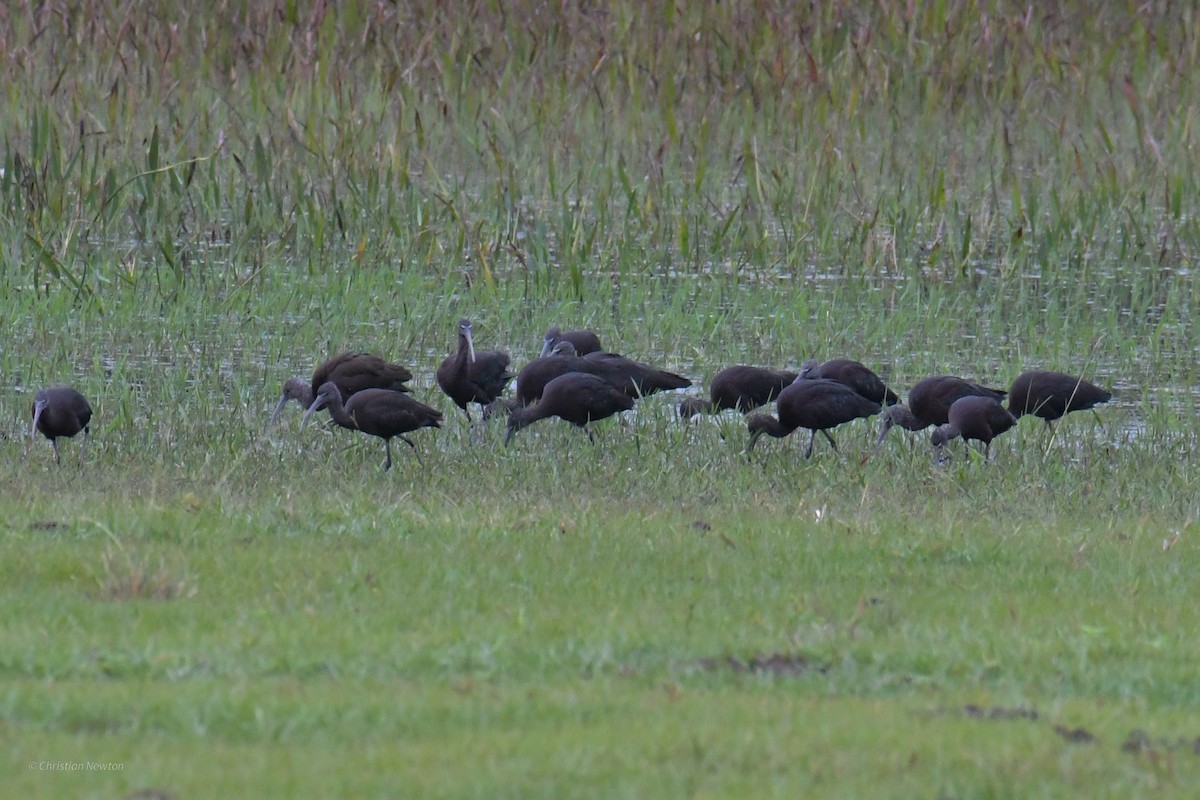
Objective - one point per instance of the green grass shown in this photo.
(194, 208)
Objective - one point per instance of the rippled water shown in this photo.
(238, 362)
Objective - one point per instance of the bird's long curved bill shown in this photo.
(547, 346)
(754, 437)
(316, 404)
(38, 408)
(883, 431)
(278, 408)
(471, 345)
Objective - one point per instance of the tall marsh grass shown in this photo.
(537, 144)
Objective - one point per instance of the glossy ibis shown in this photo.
(929, 402)
(351, 373)
(633, 377)
(853, 374)
(584, 341)
(60, 411)
(378, 412)
(470, 377)
(629, 376)
(741, 387)
(815, 404)
(578, 398)
(1049, 395)
(974, 417)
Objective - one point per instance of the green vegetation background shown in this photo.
(197, 203)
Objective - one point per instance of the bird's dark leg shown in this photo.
(416, 452)
(830, 438)
(54, 444)
(588, 430)
(811, 441)
(1050, 435)
(387, 446)
(473, 432)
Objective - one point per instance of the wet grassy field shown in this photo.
(195, 206)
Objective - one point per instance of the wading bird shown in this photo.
(629, 376)
(1050, 395)
(929, 402)
(378, 412)
(584, 341)
(60, 411)
(578, 398)
(741, 387)
(351, 373)
(815, 404)
(974, 417)
(470, 377)
(853, 374)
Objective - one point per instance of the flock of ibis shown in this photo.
(576, 380)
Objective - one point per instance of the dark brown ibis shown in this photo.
(741, 387)
(974, 417)
(851, 373)
(378, 412)
(815, 404)
(1050, 395)
(577, 397)
(584, 341)
(929, 402)
(351, 373)
(471, 377)
(60, 411)
(631, 377)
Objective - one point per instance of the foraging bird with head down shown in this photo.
(378, 412)
(351, 373)
(631, 377)
(929, 402)
(577, 397)
(740, 387)
(60, 411)
(973, 417)
(816, 404)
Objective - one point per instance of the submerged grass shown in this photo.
(196, 205)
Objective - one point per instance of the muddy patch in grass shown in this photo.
(999, 712)
(1138, 742)
(1075, 735)
(787, 665)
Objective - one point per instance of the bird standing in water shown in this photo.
(973, 417)
(929, 402)
(813, 404)
(60, 411)
(577, 397)
(584, 341)
(1050, 395)
(470, 377)
(742, 387)
(851, 373)
(351, 373)
(378, 412)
